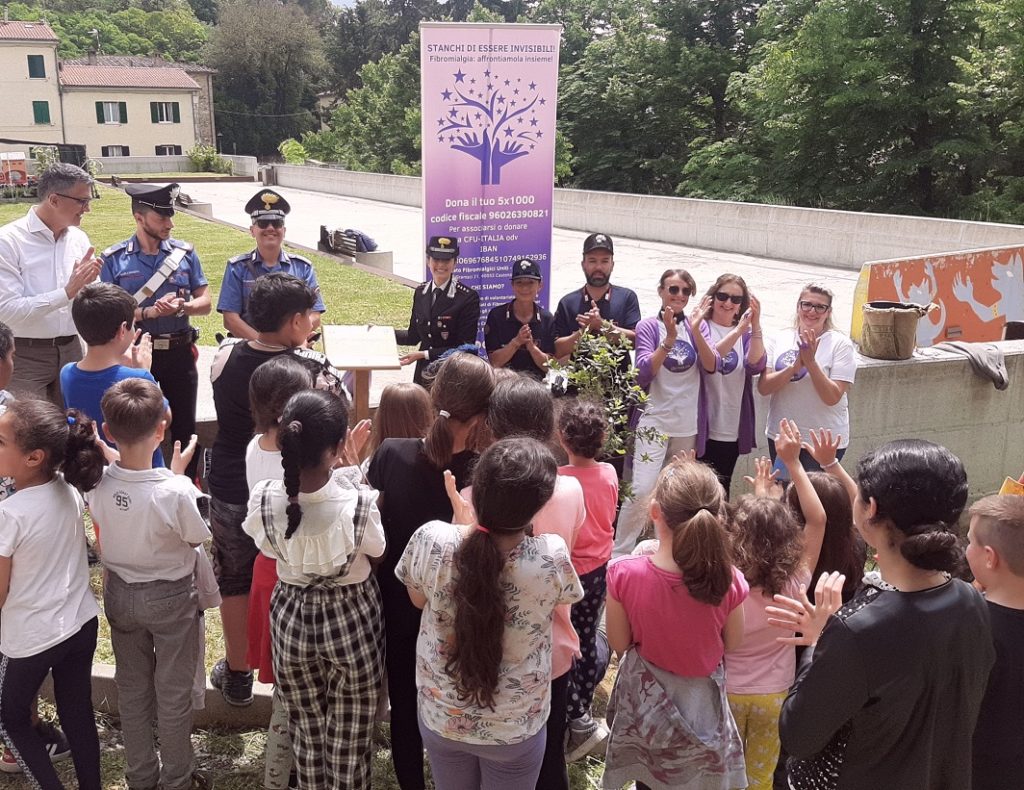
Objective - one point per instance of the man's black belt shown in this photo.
(186, 337)
(50, 342)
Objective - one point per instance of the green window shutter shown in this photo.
(122, 111)
(41, 111)
(154, 112)
(99, 112)
(176, 112)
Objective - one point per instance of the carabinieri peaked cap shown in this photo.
(158, 197)
(267, 204)
(442, 248)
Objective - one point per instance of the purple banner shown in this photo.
(489, 96)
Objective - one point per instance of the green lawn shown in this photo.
(351, 296)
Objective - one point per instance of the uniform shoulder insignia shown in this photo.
(464, 288)
(114, 248)
(183, 245)
(241, 257)
(300, 259)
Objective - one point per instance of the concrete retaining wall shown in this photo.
(934, 396)
(833, 238)
(243, 165)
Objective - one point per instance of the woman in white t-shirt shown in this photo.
(50, 616)
(734, 323)
(671, 349)
(810, 370)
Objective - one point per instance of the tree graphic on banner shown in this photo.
(494, 122)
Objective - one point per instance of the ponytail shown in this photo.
(68, 440)
(512, 481)
(700, 547)
(313, 422)
(460, 392)
(690, 498)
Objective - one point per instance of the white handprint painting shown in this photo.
(923, 293)
(1008, 281)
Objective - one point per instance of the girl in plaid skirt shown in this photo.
(327, 633)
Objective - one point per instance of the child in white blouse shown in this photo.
(488, 591)
(325, 613)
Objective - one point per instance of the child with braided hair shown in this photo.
(325, 613)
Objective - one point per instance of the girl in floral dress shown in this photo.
(488, 591)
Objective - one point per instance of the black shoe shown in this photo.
(57, 747)
(234, 686)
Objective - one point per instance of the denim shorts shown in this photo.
(234, 552)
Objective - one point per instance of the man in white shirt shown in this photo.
(45, 260)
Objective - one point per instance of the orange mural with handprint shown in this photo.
(976, 292)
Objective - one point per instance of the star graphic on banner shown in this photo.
(519, 120)
(440, 121)
(540, 135)
(446, 95)
(478, 116)
(532, 147)
(453, 112)
(542, 101)
(472, 80)
(451, 139)
(508, 131)
(501, 99)
(459, 76)
(508, 82)
(490, 87)
(487, 73)
(533, 122)
(516, 92)
(533, 86)
(440, 139)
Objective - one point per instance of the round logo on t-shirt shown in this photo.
(681, 358)
(730, 362)
(787, 359)
(121, 500)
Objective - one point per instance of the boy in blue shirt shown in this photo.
(104, 316)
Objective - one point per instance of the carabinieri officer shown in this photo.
(267, 210)
(167, 280)
(445, 313)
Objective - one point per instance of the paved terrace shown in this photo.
(638, 264)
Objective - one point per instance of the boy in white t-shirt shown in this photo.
(148, 526)
(56, 744)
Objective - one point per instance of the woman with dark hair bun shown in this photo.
(889, 693)
(488, 591)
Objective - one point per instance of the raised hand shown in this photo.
(806, 618)
(698, 312)
(180, 458)
(355, 440)
(142, 351)
(461, 509)
(808, 347)
(789, 443)
(764, 480)
(823, 446)
(668, 318)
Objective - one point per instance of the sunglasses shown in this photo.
(83, 202)
(723, 297)
(263, 224)
(815, 306)
(675, 290)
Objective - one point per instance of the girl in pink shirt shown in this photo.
(776, 557)
(582, 431)
(671, 615)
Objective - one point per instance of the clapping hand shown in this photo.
(142, 351)
(698, 313)
(668, 318)
(806, 618)
(808, 347)
(355, 442)
(591, 319)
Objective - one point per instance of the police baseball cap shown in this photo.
(598, 241)
(524, 268)
(267, 204)
(159, 198)
(442, 248)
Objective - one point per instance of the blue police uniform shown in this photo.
(174, 351)
(127, 266)
(243, 270)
